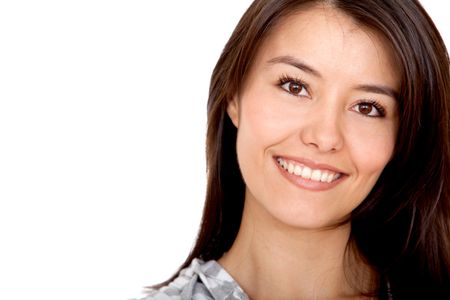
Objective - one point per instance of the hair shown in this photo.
(402, 228)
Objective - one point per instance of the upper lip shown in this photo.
(311, 164)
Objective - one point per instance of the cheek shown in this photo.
(256, 132)
(267, 115)
(261, 122)
(261, 125)
(371, 148)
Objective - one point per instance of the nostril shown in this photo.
(323, 138)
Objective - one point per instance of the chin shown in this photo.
(307, 219)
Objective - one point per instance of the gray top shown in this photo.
(200, 281)
(206, 281)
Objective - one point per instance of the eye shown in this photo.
(370, 109)
(294, 86)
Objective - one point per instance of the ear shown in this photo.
(233, 111)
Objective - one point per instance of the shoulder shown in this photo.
(200, 281)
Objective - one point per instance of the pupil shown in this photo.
(365, 108)
(294, 88)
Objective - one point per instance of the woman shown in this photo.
(328, 157)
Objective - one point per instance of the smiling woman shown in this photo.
(315, 122)
(328, 158)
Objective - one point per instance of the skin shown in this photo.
(287, 246)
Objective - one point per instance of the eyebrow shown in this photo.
(378, 89)
(370, 88)
(289, 60)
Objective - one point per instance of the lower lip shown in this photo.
(309, 184)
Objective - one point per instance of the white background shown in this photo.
(102, 127)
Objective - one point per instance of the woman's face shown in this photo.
(316, 118)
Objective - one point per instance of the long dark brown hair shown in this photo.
(402, 228)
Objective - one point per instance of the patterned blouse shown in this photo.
(200, 281)
(207, 281)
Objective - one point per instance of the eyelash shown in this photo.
(381, 110)
(287, 79)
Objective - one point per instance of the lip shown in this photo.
(306, 183)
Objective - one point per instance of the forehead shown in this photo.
(333, 42)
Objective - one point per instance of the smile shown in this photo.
(308, 173)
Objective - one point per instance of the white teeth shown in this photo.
(298, 170)
(308, 173)
(330, 178)
(291, 168)
(316, 175)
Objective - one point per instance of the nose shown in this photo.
(322, 128)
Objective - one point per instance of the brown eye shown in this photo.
(369, 109)
(365, 108)
(295, 88)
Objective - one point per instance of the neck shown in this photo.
(274, 261)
